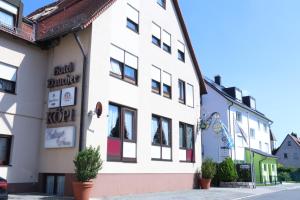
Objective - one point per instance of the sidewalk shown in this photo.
(212, 194)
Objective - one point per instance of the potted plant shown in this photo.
(208, 171)
(87, 165)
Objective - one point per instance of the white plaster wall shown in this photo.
(21, 114)
(109, 28)
(214, 102)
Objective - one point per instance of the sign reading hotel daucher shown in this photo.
(61, 101)
(67, 79)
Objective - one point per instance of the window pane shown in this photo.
(181, 87)
(165, 132)
(189, 137)
(167, 48)
(133, 26)
(156, 41)
(128, 125)
(7, 86)
(116, 66)
(114, 122)
(6, 19)
(155, 86)
(162, 3)
(155, 131)
(182, 138)
(130, 73)
(4, 150)
(181, 56)
(167, 91)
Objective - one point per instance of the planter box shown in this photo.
(237, 185)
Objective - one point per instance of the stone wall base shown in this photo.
(237, 185)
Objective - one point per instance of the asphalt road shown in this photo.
(283, 195)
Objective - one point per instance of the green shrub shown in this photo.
(87, 164)
(208, 169)
(284, 176)
(227, 171)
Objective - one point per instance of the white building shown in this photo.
(247, 127)
(134, 58)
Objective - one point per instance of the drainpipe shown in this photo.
(229, 121)
(82, 116)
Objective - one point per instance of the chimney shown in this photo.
(295, 135)
(218, 80)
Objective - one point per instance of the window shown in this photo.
(8, 13)
(265, 127)
(265, 167)
(122, 134)
(167, 85)
(238, 94)
(181, 87)
(8, 78)
(166, 38)
(273, 168)
(189, 95)
(55, 184)
(132, 19)
(5, 148)
(156, 35)
(186, 142)
(239, 116)
(156, 80)
(181, 51)
(285, 155)
(124, 65)
(162, 3)
(289, 143)
(260, 145)
(252, 133)
(267, 147)
(258, 124)
(161, 138)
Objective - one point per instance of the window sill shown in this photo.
(5, 165)
(121, 79)
(163, 160)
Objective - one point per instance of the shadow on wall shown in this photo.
(21, 116)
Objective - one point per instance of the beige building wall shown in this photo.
(60, 160)
(109, 28)
(21, 113)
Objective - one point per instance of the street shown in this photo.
(287, 194)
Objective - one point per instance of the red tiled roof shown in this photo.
(25, 31)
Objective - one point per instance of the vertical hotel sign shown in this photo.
(61, 108)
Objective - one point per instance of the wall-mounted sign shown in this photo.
(68, 96)
(63, 137)
(68, 79)
(54, 99)
(61, 115)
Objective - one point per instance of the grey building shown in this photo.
(289, 151)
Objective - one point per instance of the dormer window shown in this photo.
(8, 14)
(252, 103)
(238, 94)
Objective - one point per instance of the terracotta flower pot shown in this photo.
(205, 183)
(82, 190)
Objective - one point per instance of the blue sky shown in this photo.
(252, 44)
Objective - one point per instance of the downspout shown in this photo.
(82, 114)
(229, 121)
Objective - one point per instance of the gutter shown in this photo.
(82, 114)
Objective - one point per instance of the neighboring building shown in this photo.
(288, 152)
(134, 58)
(246, 126)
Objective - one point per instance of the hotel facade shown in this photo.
(119, 74)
